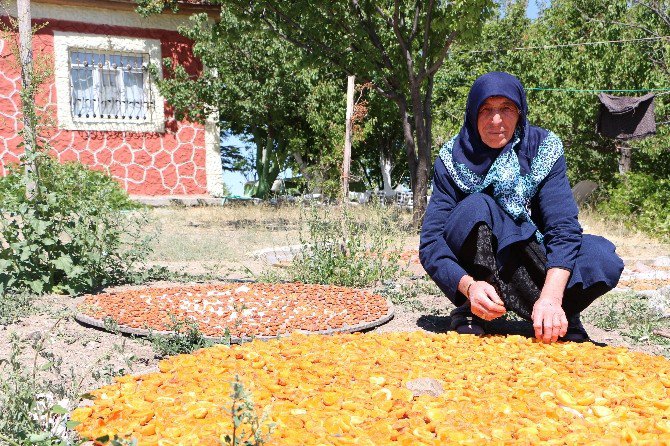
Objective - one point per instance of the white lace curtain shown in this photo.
(108, 86)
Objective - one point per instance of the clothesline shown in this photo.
(563, 45)
(583, 90)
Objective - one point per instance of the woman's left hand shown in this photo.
(549, 320)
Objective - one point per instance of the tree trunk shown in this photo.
(27, 98)
(302, 166)
(419, 149)
(420, 186)
(264, 145)
(408, 134)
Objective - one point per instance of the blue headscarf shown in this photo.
(516, 170)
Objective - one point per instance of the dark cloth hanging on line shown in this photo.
(623, 117)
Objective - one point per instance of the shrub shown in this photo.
(347, 247)
(77, 231)
(642, 202)
(184, 337)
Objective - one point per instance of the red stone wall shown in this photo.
(170, 163)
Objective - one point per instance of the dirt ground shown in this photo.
(218, 244)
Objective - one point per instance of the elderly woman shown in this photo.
(501, 230)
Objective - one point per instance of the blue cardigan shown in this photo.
(446, 225)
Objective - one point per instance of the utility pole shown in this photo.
(346, 162)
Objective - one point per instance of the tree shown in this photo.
(257, 85)
(550, 59)
(397, 46)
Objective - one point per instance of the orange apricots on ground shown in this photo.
(351, 389)
(246, 310)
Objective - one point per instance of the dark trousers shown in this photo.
(520, 279)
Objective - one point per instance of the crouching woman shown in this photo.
(501, 231)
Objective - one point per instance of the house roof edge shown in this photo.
(186, 7)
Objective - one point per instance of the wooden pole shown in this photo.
(625, 153)
(346, 162)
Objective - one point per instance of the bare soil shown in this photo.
(218, 242)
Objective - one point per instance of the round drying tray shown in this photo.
(248, 311)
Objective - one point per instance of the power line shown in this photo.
(563, 45)
(581, 90)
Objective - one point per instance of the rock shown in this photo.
(641, 268)
(35, 335)
(425, 386)
(662, 261)
(659, 302)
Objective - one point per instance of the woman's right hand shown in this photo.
(484, 301)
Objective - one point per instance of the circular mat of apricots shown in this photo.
(248, 310)
(393, 389)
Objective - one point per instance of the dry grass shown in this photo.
(220, 240)
(630, 245)
(227, 233)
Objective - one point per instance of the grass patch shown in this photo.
(628, 314)
(347, 247)
(224, 233)
(404, 295)
(16, 306)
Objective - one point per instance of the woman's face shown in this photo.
(496, 121)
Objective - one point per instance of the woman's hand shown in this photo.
(484, 301)
(549, 319)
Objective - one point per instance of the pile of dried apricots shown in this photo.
(352, 389)
(255, 309)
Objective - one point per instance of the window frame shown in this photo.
(67, 42)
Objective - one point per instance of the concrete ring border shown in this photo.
(98, 323)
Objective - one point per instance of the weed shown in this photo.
(344, 249)
(427, 286)
(106, 369)
(37, 393)
(405, 295)
(184, 337)
(15, 306)
(35, 409)
(116, 441)
(245, 417)
(111, 325)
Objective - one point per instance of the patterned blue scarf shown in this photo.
(516, 170)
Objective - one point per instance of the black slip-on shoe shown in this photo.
(576, 331)
(467, 323)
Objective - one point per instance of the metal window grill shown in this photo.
(110, 85)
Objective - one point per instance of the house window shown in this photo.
(107, 85)
(103, 83)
